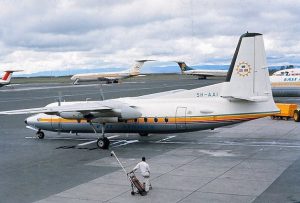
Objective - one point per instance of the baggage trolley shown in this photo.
(134, 181)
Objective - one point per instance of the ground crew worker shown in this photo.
(145, 172)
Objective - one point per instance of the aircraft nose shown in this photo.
(30, 120)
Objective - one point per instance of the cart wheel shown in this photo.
(143, 193)
(132, 193)
(296, 116)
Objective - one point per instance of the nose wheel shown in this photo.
(40, 134)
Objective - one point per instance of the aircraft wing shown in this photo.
(57, 109)
(80, 110)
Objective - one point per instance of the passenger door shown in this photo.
(180, 118)
(56, 123)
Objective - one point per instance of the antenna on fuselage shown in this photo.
(101, 92)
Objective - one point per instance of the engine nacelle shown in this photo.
(129, 113)
(122, 112)
(106, 120)
(71, 115)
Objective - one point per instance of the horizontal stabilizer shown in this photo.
(160, 94)
(250, 99)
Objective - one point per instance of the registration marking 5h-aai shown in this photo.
(207, 94)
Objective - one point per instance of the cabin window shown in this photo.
(155, 120)
(125, 121)
(166, 119)
(135, 120)
(145, 119)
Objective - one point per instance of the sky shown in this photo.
(49, 35)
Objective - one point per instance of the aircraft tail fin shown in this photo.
(136, 68)
(183, 67)
(248, 76)
(7, 75)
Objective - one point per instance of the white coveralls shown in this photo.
(145, 172)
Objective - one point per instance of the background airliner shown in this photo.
(286, 82)
(7, 77)
(109, 77)
(286, 77)
(202, 74)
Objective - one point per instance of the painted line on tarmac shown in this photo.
(126, 143)
(60, 138)
(283, 145)
(86, 143)
(91, 142)
(46, 87)
(134, 82)
(166, 139)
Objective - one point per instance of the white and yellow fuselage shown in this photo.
(187, 110)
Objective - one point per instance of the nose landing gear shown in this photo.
(40, 134)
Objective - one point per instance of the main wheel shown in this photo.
(40, 134)
(143, 134)
(103, 143)
(296, 116)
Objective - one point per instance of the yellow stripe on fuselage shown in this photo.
(216, 118)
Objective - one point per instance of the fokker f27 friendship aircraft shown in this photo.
(109, 77)
(7, 77)
(246, 95)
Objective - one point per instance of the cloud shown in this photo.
(40, 35)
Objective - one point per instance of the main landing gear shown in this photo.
(102, 142)
(144, 134)
(40, 134)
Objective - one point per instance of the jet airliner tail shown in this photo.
(5, 80)
(136, 68)
(183, 66)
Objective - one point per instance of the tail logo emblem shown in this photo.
(243, 69)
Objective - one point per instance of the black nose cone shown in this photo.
(25, 121)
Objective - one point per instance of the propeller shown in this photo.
(59, 99)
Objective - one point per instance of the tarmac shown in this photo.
(256, 161)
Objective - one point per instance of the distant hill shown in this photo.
(145, 70)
